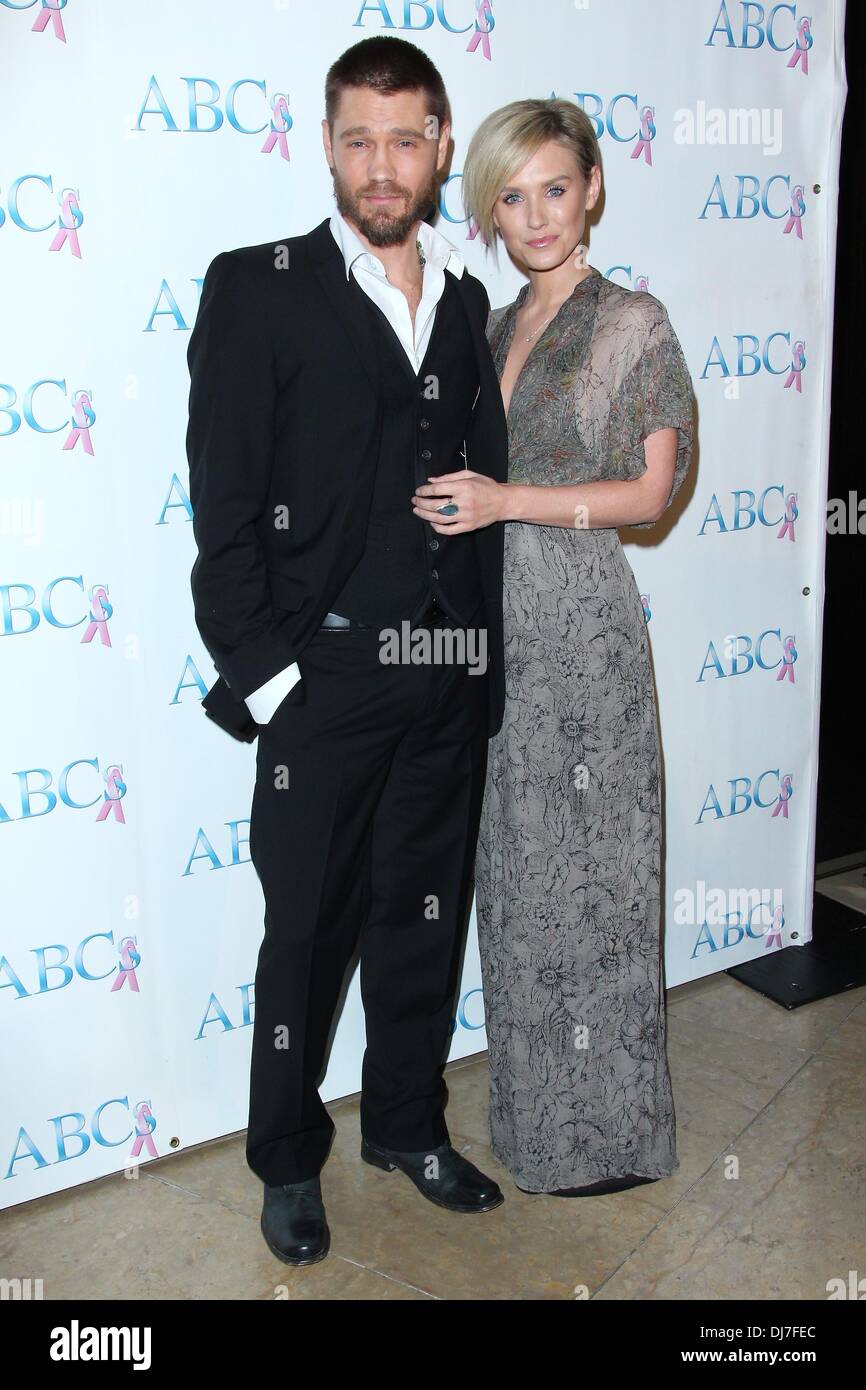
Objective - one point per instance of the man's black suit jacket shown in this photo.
(285, 421)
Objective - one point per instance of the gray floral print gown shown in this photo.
(567, 870)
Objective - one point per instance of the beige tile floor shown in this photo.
(781, 1093)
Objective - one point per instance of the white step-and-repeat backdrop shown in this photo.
(139, 141)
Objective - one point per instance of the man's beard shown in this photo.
(385, 227)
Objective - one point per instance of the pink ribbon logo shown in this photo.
(795, 214)
(281, 124)
(100, 611)
(792, 511)
(145, 1124)
(642, 283)
(804, 43)
(789, 656)
(785, 793)
(484, 23)
(83, 418)
(647, 611)
(115, 791)
(473, 230)
(647, 135)
(774, 935)
(52, 12)
(798, 362)
(70, 219)
(129, 959)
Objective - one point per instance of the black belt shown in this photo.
(434, 617)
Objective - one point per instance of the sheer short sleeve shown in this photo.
(656, 393)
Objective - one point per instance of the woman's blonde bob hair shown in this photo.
(510, 136)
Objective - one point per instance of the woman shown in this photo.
(599, 409)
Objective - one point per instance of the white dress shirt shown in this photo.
(371, 275)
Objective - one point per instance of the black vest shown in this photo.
(406, 563)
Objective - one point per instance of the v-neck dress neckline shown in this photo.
(591, 281)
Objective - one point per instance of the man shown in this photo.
(331, 375)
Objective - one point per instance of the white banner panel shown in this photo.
(140, 142)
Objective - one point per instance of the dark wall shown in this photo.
(841, 826)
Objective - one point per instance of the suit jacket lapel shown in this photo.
(330, 270)
(487, 408)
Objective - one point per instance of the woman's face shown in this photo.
(541, 212)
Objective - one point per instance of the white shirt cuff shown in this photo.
(263, 703)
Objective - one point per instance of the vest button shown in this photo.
(434, 544)
(435, 574)
(424, 423)
(426, 454)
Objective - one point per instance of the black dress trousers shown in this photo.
(364, 821)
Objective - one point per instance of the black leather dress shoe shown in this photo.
(452, 1181)
(294, 1224)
